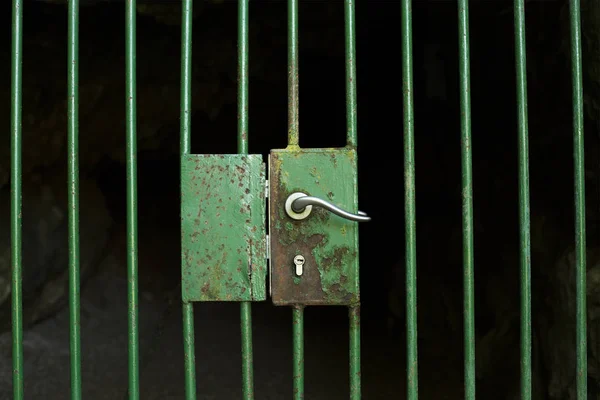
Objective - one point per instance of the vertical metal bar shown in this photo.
(521, 70)
(243, 75)
(580, 245)
(185, 127)
(410, 213)
(351, 140)
(293, 140)
(298, 333)
(132, 232)
(355, 380)
(189, 351)
(350, 38)
(243, 87)
(186, 77)
(247, 357)
(293, 101)
(15, 204)
(467, 200)
(73, 193)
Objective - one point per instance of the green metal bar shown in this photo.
(351, 140)
(524, 218)
(580, 246)
(73, 193)
(243, 75)
(293, 102)
(350, 73)
(293, 140)
(247, 358)
(185, 118)
(16, 139)
(467, 200)
(298, 333)
(410, 213)
(243, 86)
(355, 381)
(132, 211)
(190, 352)
(185, 127)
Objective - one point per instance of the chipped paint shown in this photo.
(328, 242)
(223, 228)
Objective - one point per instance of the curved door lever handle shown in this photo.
(299, 205)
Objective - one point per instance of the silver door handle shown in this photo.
(299, 205)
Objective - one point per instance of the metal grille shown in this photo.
(293, 139)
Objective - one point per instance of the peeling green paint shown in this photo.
(223, 228)
(328, 242)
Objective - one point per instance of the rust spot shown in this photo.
(336, 259)
(205, 288)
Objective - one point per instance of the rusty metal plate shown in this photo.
(328, 243)
(223, 233)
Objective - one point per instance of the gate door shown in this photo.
(311, 246)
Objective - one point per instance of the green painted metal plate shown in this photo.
(223, 233)
(329, 243)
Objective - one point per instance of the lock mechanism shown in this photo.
(299, 205)
(313, 213)
(299, 262)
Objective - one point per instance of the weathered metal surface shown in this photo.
(579, 172)
(298, 346)
(328, 243)
(410, 214)
(223, 228)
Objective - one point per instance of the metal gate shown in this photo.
(292, 235)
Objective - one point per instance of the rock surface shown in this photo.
(45, 252)
(218, 359)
